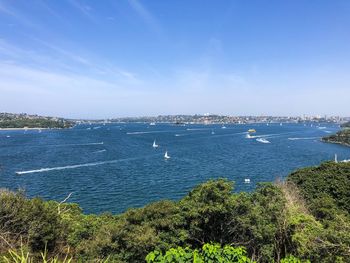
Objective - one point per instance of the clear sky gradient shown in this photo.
(99, 59)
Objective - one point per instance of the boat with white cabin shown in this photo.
(262, 140)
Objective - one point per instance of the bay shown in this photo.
(114, 167)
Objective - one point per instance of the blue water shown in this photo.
(114, 167)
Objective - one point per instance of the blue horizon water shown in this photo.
(113, 167)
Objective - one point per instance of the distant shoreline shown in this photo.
(20, 129)
(336, 142)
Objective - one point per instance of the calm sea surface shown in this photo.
(114, 167)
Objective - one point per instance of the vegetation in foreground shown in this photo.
(305, 218)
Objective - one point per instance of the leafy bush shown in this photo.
(208, 253)
(307, 217)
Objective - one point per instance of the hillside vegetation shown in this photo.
(346, 125)
(341, 137)
(10, 120)
(305, 218)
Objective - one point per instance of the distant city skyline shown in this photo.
(127, 58)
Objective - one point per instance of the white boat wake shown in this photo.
(303, 138)
(197, 129)
(76, 144)
(100, 151)
(262, 140)
(41, 170)
(146, 132)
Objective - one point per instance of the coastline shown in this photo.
(334, 142)
(20, 129)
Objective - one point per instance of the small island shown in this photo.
(10, 121)
(342, 137)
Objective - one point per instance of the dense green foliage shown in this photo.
(307, 217)
(327, 185)
(209, 253)
(341, 137)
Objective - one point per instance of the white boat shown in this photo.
(212, 132)
(152, 124)
(223, 127)
(343, 161)
(247, 181)
(248, 136)
(155, 145)
(262, 140)
(281, 124)
(166, 156)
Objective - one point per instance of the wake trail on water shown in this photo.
(147, 132)
(61, 145)
(271, 135)
(197, 129)
(303, 138)
(76, 144)
(41, 170)
(100, 151)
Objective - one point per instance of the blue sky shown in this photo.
(98, 59)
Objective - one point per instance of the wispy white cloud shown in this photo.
(83, 8)
(45, 91)
(56, 58)
(18, 17)
(146, 16)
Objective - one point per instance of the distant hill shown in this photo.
(21, 121)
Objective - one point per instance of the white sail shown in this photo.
(166, 156)
(155, 145)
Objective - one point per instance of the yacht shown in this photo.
(155, 145)
(166, 156)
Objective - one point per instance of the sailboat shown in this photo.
(154, 144)
(166, 156)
